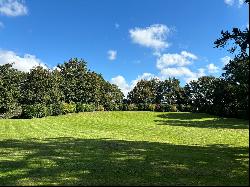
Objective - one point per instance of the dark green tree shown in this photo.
(74, 84)
(145, 91)
(10, 82)
(200, 94)
(237, 70)
(36, 87)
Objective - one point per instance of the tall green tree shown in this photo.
(237, 70)
(39, 86)
(145, 91)
(169, 92)
(10, 82)
(200, 93)
(74, 84)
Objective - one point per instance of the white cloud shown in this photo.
(212, 68)
(225, 60)
(229, 2)
(127, 87)
(188, 55)
(232, 2)
(183, 72)
(196, 75)
(241, 2)
(153, 36)
(176, 72)
(168, 59)
(112, 54)
(13, 8)
(24, 63)
(121, 83)
(144, 76)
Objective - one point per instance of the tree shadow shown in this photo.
(70, 161)
(201, 120)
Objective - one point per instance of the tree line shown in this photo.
(72, 87)
(68, 88)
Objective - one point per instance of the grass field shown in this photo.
(125, 148)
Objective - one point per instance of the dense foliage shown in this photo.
(71, 87)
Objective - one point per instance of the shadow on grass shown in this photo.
(69, 161)
(201, 120)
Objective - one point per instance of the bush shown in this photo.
(55, 109)
(68, 108)
(34, 111)
(173, 108)
(99, 108)
(132, 107)
(162, 107)
(80, 107)
(141, 106)
(13, 113)
(112, 107)
(151, 107)
(124, 107)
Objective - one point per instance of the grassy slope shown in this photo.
(124, 148)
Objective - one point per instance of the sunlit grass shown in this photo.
(124, 148)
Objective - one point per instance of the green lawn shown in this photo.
(125, 148)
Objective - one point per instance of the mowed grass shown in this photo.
(125, 148)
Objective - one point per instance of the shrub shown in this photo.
(173, 108)
(68, 108)
(13, 113)
(120, 106)
(112, 107)
(99, 108)
(55, 109)
(151, 107)
(141, 106)
(163, 108)
(81, 107)
(124, 107)
(34, 111)
(132, 107)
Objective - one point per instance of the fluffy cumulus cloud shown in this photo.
(232, 2)
(183, 72)
(195, 75)
(121, 83)
(144, 76)
(212, 68)
(153, 36)
(225, 60)
(13, 8)
(176, 72)
(24, 63)
(126, 87)
(112, 54)
(182, 59)
(229, 2)
(174, 65)
(241, 2)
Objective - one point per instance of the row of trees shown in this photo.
(224, 96)
(70, 82)
(71, 87)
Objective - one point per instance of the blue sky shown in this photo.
(122, 40)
